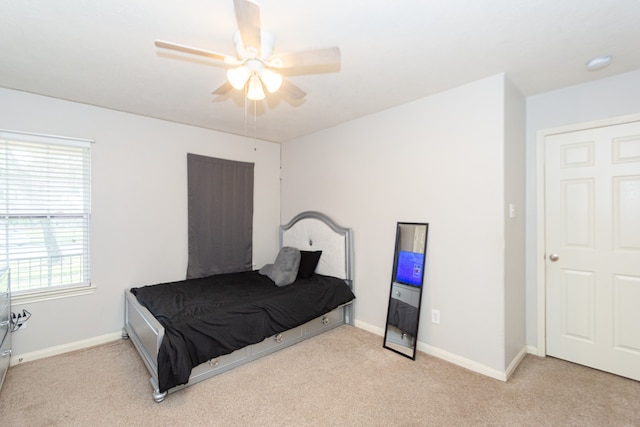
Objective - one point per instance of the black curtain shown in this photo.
(220, 204)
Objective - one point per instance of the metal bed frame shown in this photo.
(308, 230)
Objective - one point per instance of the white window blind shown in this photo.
(44, 211)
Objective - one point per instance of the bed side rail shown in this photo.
(145, 331)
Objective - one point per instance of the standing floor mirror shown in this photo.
(407, 279)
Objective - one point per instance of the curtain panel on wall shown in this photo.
(220, 194)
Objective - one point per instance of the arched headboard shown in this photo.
(315, 231)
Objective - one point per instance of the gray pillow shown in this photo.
(285, 269)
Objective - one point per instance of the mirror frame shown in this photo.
(405, 298)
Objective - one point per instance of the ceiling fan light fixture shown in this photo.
(238, 76)
(255, 91)
(272, 80)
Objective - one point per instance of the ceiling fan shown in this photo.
(255, 66)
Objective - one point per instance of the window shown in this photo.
(44, 213)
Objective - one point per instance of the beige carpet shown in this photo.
(341, 378)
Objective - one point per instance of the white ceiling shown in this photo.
(102, 53)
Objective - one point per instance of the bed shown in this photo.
(243, 316)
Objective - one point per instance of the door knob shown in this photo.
(554, 257)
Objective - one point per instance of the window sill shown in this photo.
(48, 295)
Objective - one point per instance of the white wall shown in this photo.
(438, 160)
(139, 207)
(446, 144)
(514, 185)
(610, 97)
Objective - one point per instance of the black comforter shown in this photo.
(212, 316)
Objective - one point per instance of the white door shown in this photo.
(592, 237)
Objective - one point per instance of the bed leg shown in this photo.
(125, 334)
(158, 397)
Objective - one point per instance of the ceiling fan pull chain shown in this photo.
(255, 119)
(246, 121)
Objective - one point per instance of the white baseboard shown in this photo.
(454, 358)
(368, 327)
(425, 348)
(469, 364)
(64, 348)
(515, 362)
(533, 350)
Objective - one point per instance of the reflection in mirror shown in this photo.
(407, 277)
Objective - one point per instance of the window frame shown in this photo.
(48, 292)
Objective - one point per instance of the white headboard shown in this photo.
(314, 231)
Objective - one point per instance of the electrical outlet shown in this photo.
(435, 317)
(19, 320)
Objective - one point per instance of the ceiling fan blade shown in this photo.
(224, 88)
(292, 90)
(197, 51)
(307, 58)
(248, 17)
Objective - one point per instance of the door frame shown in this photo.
(540, 213)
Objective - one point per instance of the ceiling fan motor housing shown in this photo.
(265, 51)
